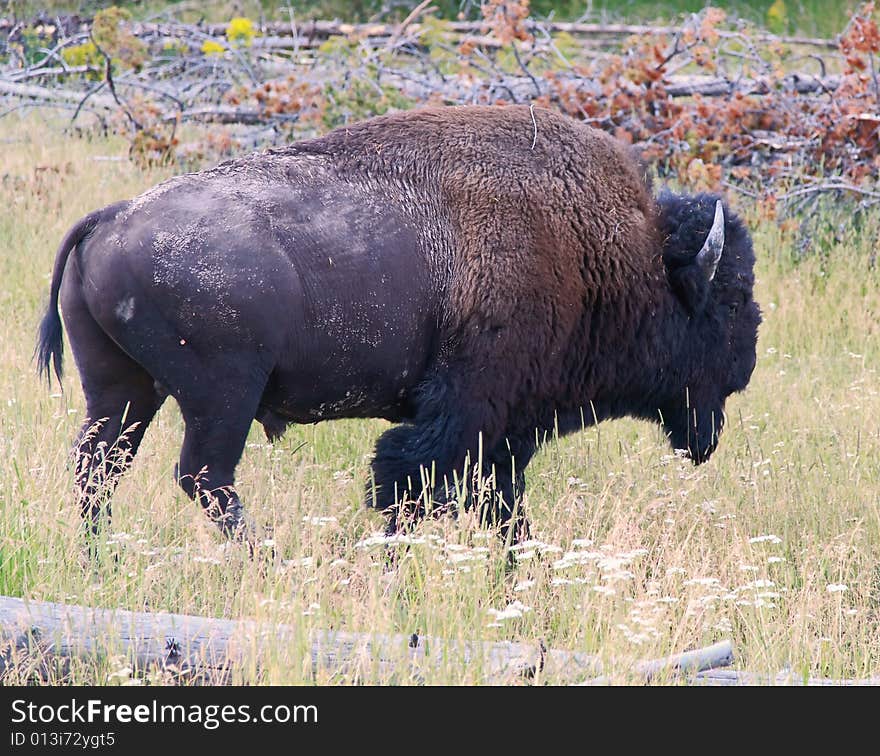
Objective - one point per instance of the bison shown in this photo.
(479, 276)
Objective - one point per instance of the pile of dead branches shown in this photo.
(711, 102)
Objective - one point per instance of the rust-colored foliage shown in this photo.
(506, 20)
(767, 135)
(288, 96)
(774, 118)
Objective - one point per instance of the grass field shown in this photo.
(773, 544)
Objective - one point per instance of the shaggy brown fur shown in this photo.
(545, 248)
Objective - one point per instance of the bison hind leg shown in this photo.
(118, 417)
(218, 415)
(121, 401)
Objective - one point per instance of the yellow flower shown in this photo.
(82, 55)
(241, 30)
(210, 47)
(777, 17)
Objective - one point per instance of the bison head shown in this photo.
(709, 261)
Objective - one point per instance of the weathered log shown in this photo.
(217, 114)
(211, 650)
(221, 114)
(45, 94)
(313, 33)
(675, 86)
(724, 677)
(721, 86)
(52, 71)
(522, 88)
(688, 663)
(311, 30)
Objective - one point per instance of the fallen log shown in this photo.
(722, 86)
(210, 650)
(45, 94)
(687, 664)
(522, 88)
(322, 30)
(314, 33)
(723, 677)
(50, 71)
(675, 86)
(218, 114)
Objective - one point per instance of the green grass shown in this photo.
(813, 17)
(801, 16)
(743, 547)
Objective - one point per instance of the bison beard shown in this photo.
(477, 277)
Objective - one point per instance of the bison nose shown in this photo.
(702, 452)
(699, 457)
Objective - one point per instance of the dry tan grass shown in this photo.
(773, 544)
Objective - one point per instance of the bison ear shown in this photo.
(690, 284)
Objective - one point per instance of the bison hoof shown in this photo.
(237, 525)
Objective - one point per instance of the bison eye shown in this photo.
(733, 310)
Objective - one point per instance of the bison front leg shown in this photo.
(492, 483)
(500, 497)
(419, 466)
(412, 472)
(445, 452)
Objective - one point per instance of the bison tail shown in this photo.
(50, 345)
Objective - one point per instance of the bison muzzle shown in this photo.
(479, 277)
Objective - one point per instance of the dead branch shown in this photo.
(45, 94)
(322, 30)
(711, 103)
(313, 33)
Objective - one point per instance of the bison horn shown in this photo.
(710, 254)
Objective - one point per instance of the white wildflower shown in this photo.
(605, 590)
(766, 538)
(206, 560)
(706, 581)
(758, 584)
(380, 539)
(534, 545)
(302, 562)
(513, 610)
